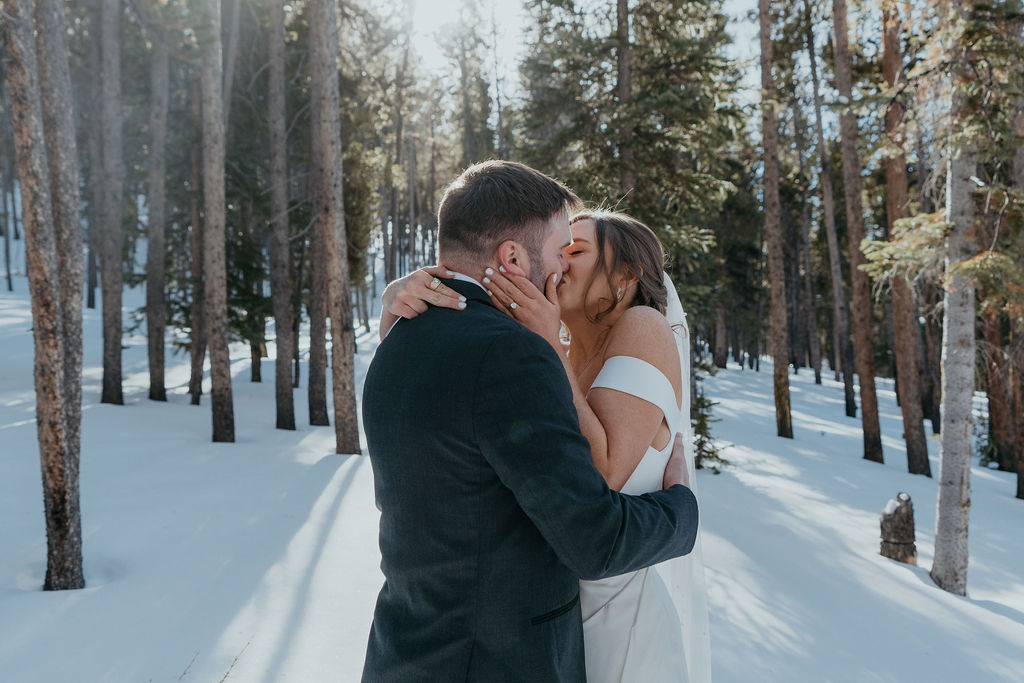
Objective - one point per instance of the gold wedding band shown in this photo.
(434, 284)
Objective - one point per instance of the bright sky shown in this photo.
(430, 17)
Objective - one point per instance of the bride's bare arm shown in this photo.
(407, 297)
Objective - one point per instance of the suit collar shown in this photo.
(471, 290)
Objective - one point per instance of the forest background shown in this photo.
(261, 166)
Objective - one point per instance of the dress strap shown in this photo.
(641, 379)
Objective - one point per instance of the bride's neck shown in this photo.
(586, 340)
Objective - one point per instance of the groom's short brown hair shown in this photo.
(494, 201)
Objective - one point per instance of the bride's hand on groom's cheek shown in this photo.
(519, 297)
(407, 297)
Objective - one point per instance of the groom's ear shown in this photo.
(511, 256)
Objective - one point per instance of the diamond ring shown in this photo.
(434, 284)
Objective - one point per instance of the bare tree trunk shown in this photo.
(214, 233)
(720, 355)
(330, 218)
(197, 335)
(256, 323)
(94, 141)
(809, 312)
(949, 570)
(230, 54)
(1017, 327)
(841, 329)
(932, 400)
(156, 313)
(297, 288)
(6, 226)
(627, 176)
(280, 261)
(862, 309)
(111, 267)
(773, 229)
(1017, 393)
(904, 319)
(41, 99)
(1000, 417)
(317, 388)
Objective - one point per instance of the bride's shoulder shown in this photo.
(643, 332)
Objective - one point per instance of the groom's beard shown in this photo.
(536, 274)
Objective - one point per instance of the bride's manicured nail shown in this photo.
(449, 272)
(487, 280)
(462, 304)
(554, 278)
(489, 293)
(489, 271)
(501, 268)
(462, 298)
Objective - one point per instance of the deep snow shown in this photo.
(258, 560)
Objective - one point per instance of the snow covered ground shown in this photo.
(257, 561)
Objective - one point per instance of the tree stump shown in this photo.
(898, 530)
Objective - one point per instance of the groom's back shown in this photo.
(472, 591)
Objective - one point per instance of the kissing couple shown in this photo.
(527, 486)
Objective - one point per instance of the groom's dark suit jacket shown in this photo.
(491, 509)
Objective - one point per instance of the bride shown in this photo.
(628, 365)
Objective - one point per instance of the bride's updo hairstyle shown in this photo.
(633, 246)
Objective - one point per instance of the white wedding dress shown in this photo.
(650, 625)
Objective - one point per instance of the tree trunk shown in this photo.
(41, 98)
(904, 319)
(627, 177)
(808, 298)
(230, 53)
(1017, 394)
(949, 570)
(329, 213)
(317, 388)
(932, 400)
(1000, 417)
(773, 229)
(842, 347)
(214, 233)
(280, 260)
(1017, 327)
(94, 142)
(297, 289)
(862, 308)
(721, 353)
(6, 225)
(197, 335)
(156, 314)
(111, 275)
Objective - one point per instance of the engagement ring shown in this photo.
(434, 284)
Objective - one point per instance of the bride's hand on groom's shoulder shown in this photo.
(518, 297)
(407, 297)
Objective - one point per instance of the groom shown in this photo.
(491, 510)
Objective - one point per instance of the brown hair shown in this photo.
(633, 246)
(494, 201)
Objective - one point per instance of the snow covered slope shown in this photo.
(259, 559)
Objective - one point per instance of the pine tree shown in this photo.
(214, 266)
(904, 318)
(48, 178)
(862, 307)
(112, 184)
